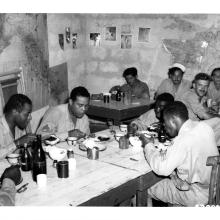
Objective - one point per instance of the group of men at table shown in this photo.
(180, 106)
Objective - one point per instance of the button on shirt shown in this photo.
(168, 86)
(7, 145)
(58, 120)
(137, 90)
(188, 154)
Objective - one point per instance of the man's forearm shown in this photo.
(7, 193)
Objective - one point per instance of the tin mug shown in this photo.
(93, 153)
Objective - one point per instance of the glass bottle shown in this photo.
(162, 134)
(71, 159)
(26, 160)
(39, 159)
(118, 96)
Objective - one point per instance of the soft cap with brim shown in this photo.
(178, 65)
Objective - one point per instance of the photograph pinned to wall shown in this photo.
(126, 29)
(143, 34)
(110, 33)
(74, 39)
(126, 41)
(68, 34)
(61, 41)
(95, 39)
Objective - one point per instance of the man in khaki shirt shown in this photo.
(68, 118)
(17, 114)
(175, 84)
(134, 87)
(184, 162)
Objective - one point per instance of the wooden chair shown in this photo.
(11, 83)
(214, 187)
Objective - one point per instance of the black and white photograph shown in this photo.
(104, 108)
(110, 34)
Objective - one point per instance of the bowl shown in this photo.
(57, 153)
(118, 135)
(14, 158)
(52, 140)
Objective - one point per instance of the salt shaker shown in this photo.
(71, 159)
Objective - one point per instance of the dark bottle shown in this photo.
(39, 159)
(118, 96)
(162, 134)
(26, 160)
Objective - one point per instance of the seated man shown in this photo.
(134, 86)
(175, 84)
(153, 115)
(214, 87)
(184, 161)
(17, 114)
(10, 178)
(68, 118)
(196, 98)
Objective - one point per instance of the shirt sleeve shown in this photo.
(7, 193)
(165, 163)
(161, 88)
(145, 120)
(49, 123)
(196, 107)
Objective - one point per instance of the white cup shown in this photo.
(123, 128)
(41, 180)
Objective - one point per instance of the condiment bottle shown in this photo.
(26, 160)
(39, 159)
(71, 159)
(162, 134)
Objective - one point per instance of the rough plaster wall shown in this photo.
(23, 43)
(193, 40)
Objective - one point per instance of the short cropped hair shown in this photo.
(216, 69)
(172, 70)
(166, 97)
(17, 102)
(130, 71)
(79, 91)
(202, 76)
(176, 109)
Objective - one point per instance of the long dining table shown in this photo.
(116, 176)
(118, 111)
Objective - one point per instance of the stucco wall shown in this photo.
(23, 43)
(192, 40)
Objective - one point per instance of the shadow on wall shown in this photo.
(58, 78)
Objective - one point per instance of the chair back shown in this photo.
(214, 186)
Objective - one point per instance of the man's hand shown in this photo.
(12, 173)
(145, 140)
(76, 133)
(28, 138)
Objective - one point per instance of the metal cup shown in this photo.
(93, 153)
(63, 169)
(106, 97)
(123, 142)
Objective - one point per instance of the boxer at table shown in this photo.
(184, 162)
(68, 118)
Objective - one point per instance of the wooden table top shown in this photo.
(90, 179)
